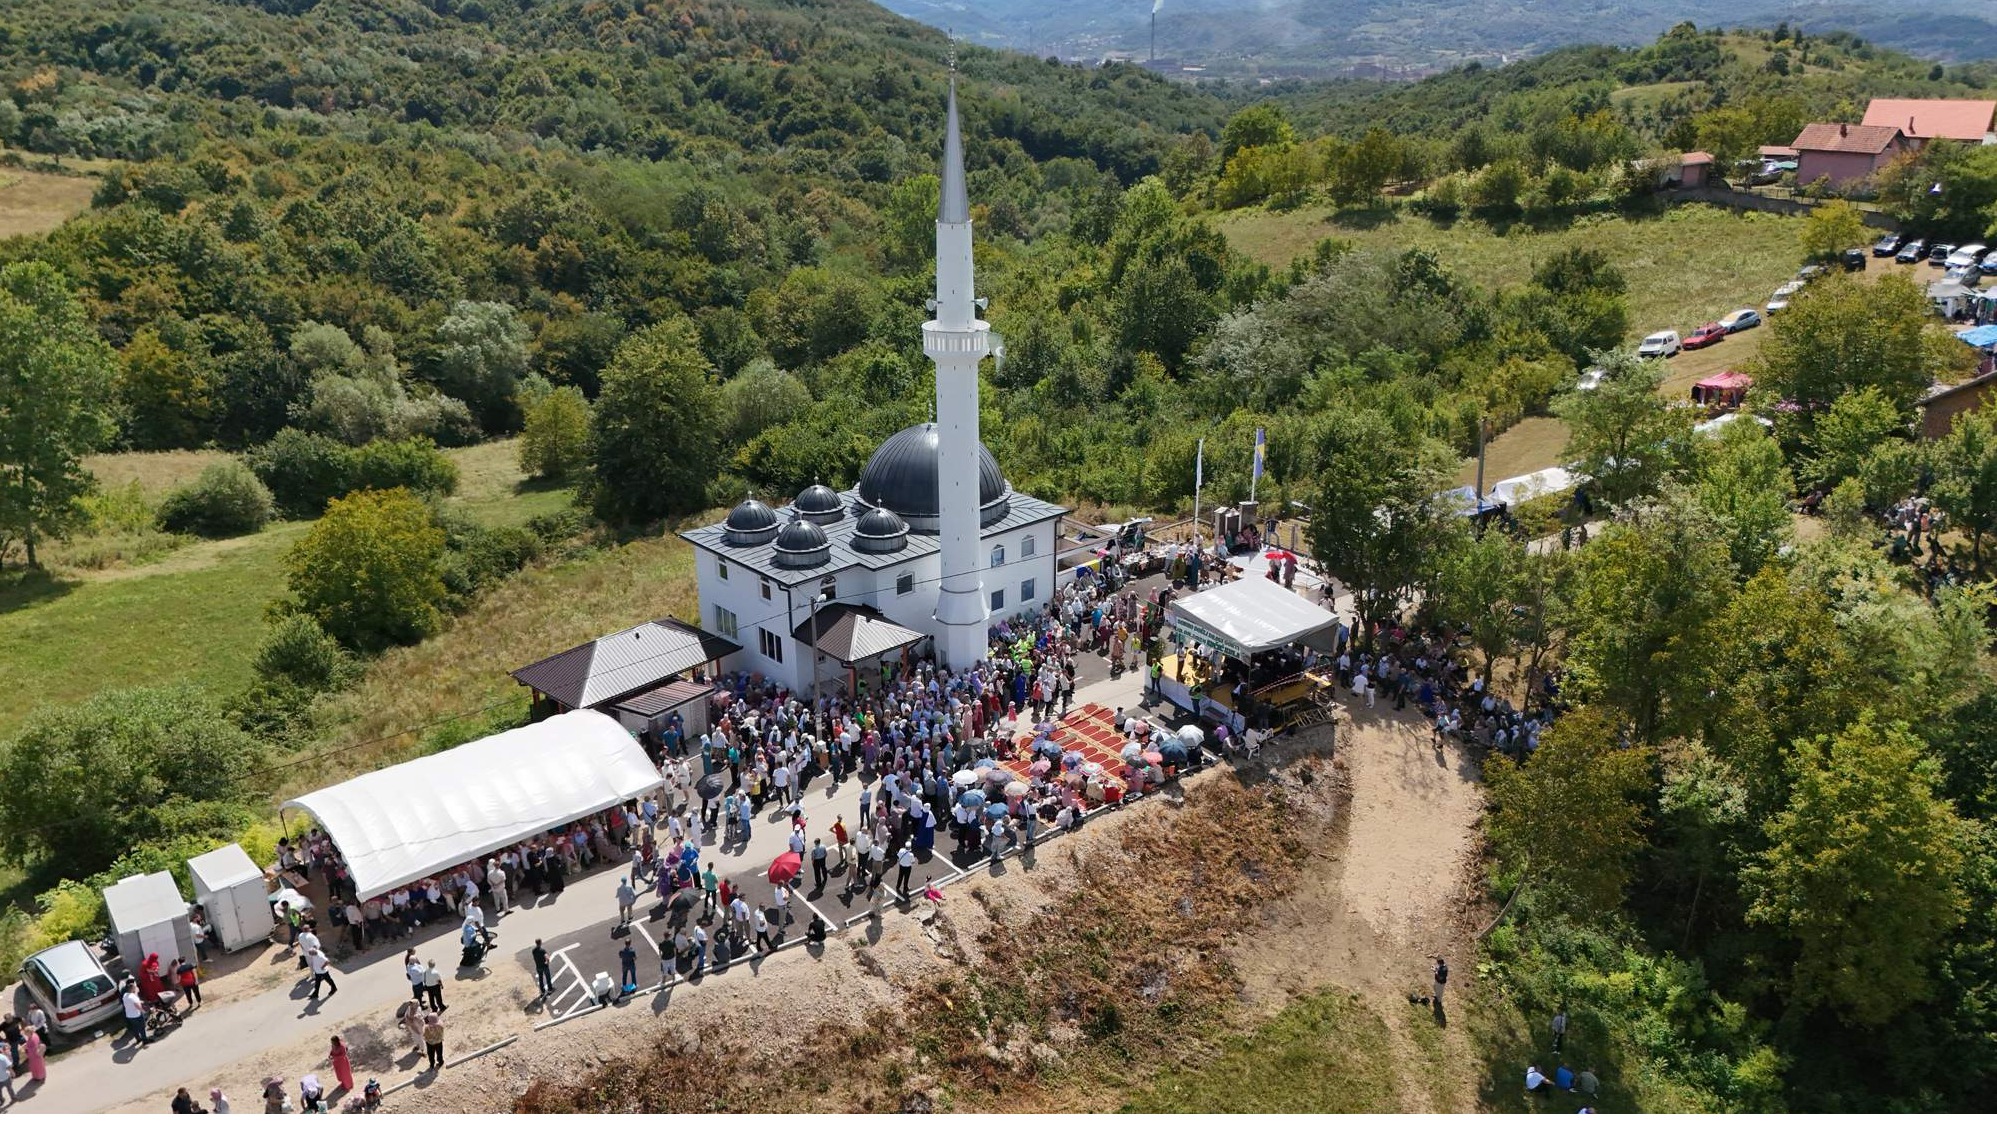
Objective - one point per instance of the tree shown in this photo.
(762, 397)
(56, 378)
(1966, 479)
(1261, 125)
(1831, 229)
(1570, 819)
(554, 442)
(1861, 870)
(1480, 585)
(1846, 336)
(481, 358)
(1644, 595)
(1377, 525)
(655, 439)
(1848, 432)
(1626, 438)
(1744, 487)
(167, 391)
(82, 784)
(371, 570)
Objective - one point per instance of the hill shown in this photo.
(1377, 39)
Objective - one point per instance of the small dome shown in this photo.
(751, 523)
(902, 477)
(820, 504)
(879, 531)
(801, 544)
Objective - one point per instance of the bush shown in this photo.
(305, 471)
(227, 499)
(447, 421)
(481, 555)
(299, 652)
(83, 784)
(371, 570)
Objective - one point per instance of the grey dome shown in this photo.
(901, 476)
(801, 544)
(879, 531)
(820, 504)
(751, 523)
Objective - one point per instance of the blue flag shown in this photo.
(1259, 447)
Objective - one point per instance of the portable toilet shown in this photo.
(148, 917)
(230, 890)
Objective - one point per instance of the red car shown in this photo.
(1706, 336)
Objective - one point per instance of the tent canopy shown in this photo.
(434, 812)
(1546, 481)
(1982, 335)
(1249, 616)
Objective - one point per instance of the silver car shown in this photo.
(70, 984)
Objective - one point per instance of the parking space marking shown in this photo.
(829, 922)
(640, 929)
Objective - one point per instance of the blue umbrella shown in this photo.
(995, 811)
(971, 799)
(985, 762)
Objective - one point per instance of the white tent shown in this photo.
(1248, 616)
(409, 821)
(1518, 489)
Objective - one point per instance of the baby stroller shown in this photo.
(160, 1014)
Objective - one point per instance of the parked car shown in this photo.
(70, 983)
(1591, 378)
(1740, 319)
(1887, 246)
(1783, 296)
(1966, 255)
(1938, 253)
(1706, 336)
(1658, 345)
(1967, 274)
(1911, 252)
(1809, 273)
(1854, 260)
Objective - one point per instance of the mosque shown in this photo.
(919, 557)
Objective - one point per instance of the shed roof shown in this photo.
(853, 632)
(143, 900)
(428, 814)
(1690, 158)
(659, 699)
(1932, 118)
(623, 663)
(1836, 136)
(221, 868)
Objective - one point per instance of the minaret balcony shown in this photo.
(940, 340)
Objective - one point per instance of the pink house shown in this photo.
(1844, 153)
(1926, 119)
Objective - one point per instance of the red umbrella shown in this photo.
(784, 869)
(1281, 556)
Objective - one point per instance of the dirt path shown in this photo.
(1401, 863)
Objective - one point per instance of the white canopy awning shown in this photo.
(432, 813)
(1247, 617)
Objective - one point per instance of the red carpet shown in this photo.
(1091, 731)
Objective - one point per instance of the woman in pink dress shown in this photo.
(343, 1068)
(37, 1056)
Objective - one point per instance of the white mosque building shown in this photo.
(931, 545)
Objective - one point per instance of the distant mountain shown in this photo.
(1393, 38)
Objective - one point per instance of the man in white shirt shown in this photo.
(135, 1013)
(322, 973)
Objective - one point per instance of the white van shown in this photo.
(71, 984)
(1659, 345)
(1968, 255)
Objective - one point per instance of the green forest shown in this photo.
(680, 250)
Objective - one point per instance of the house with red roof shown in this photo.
(1921, 120)
(1844, 153)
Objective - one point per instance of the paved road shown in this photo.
(94, 1076)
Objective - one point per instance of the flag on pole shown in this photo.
(1200, 463)
(1260, 447)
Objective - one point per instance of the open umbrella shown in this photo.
(1130, 750)
(1002, 776)
(965, 778)
(1191, 735)
(1154, 757)
(1039, 767)
(784, 869)
(1090, 767)
(708, 786)
(970, 799)
(1016, 789)
(995, 811)
(1280, 556)
(984, 762)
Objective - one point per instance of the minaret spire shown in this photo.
(957, 340)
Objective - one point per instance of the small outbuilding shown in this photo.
(148, 917)
(233, 896)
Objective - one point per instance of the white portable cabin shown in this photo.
(148, 917)
(230, 890)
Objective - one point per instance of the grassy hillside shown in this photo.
(37, 202)
(195, 615)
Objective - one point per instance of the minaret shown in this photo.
(957, 340)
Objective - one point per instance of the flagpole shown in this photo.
(1255, 475)
(1199, 478)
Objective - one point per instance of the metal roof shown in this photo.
(659, 699)
(1024, 510)
(902, 474)
(143, 900)
(623, 663)
(852, 632)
